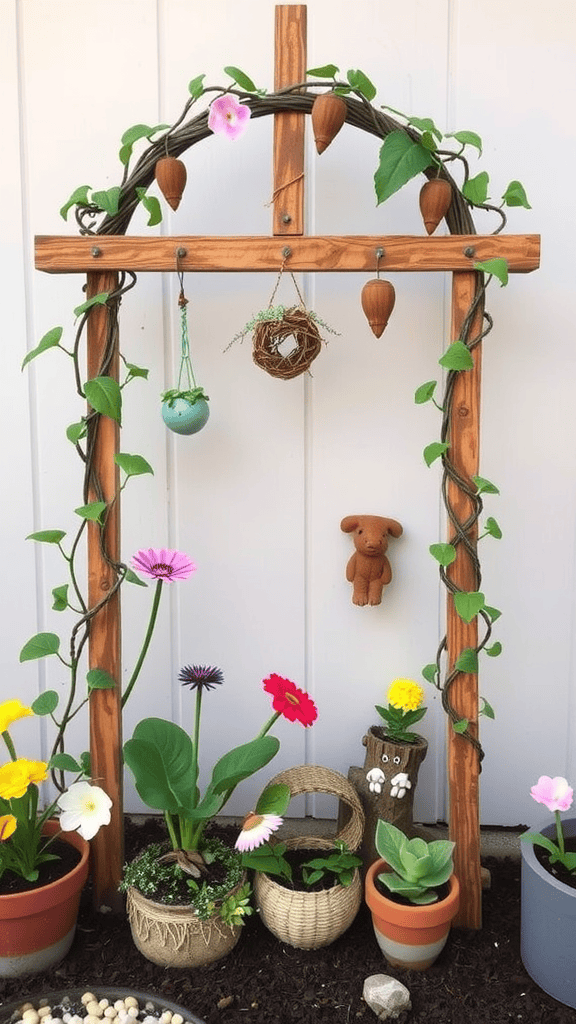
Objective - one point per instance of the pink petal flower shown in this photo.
(228, 117)
(555, 793)
(257, 829)
(163, 564)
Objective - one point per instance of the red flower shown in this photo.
(290, 701)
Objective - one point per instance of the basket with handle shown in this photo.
(304, 919)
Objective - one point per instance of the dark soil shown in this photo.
(478, 978)
(66, 858)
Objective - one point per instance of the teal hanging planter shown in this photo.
(185, 416)
(185, 408)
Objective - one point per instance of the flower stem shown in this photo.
(196, 741)
(559, 833)
(146, 644)
(268, 725)
(8, 741)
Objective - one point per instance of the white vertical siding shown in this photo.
(257, 497)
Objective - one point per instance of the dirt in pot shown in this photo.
(558, 870)
(49, 871)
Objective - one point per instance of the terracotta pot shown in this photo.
(37, 927)
(170, 174)
(183, 418)
(173, 936)
(410, 936)
(548, 922)
(435, 199)
(328, 115)
(378, 298)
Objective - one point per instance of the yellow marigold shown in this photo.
(16, 776)
(7, 826)
(37, 771)
(11, 711)
(14, 779)
(405, 694)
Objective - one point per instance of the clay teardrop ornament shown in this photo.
(328, 116)
(378, 298)
(170, 174)
(435, 199)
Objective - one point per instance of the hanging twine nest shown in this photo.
(268, 335)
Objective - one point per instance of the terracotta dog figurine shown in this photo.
(369, 569)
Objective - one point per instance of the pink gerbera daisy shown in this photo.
(163, 564)
(290, 701)
(256, 829)
(228, 117)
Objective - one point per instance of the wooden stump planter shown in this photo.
(386, 785)
(37, 926)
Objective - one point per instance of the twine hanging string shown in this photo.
(186, 369)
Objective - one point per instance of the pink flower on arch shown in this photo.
(555, 793)
(228, 117)
(163, 564)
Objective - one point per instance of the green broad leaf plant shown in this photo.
(418, 868)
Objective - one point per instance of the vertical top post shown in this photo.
(288, 158)
(463, 762)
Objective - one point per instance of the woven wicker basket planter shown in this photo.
(310, 920)
(174, 936)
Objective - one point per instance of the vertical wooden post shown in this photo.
(289, 69)
(104, 643)
(463, 764)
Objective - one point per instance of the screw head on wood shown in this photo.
(96, 251)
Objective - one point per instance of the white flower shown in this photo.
(375, 778)
(84, 809)
(257, 829)
(400, 783)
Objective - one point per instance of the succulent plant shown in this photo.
(418, 867)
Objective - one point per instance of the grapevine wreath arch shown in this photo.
(360, 114)
(100, 215)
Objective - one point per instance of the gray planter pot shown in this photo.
(548, 922)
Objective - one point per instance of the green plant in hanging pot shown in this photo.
(185, 411)
(185, 408)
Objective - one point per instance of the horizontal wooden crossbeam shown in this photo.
(62, 255)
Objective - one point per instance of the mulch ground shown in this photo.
(478, 979)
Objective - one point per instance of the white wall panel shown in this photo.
(257, 497)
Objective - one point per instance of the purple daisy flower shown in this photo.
(163, 564)
(201, 677)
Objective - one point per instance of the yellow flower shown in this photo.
(16, 776)
(11, 711)
(405, 694)
(37, 771)
(7, 826)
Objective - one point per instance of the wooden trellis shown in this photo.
(102, 257)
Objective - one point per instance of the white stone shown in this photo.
(386, 996)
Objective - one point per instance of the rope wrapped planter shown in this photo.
(174, 936)
(310, 920)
